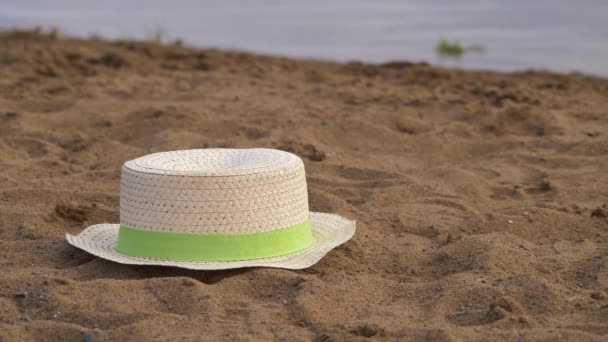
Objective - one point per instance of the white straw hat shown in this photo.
(215, 209)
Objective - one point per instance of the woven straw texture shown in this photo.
(216, 191)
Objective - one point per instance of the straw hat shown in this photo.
(215, 209)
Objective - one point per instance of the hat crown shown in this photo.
(214, 191)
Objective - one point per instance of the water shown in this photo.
(558, 35)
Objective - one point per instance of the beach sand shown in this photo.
(481, 198)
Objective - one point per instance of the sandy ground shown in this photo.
(481, 198)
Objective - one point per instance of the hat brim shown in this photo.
(329, 231)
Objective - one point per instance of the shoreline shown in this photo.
(450, 62)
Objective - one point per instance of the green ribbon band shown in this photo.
(214, 247)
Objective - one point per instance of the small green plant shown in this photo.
(454, 49)
(446, 48)
(158, 35)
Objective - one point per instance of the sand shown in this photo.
(481, 198)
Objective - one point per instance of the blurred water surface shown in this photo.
(517, 34)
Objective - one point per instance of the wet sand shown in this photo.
(481, 198)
